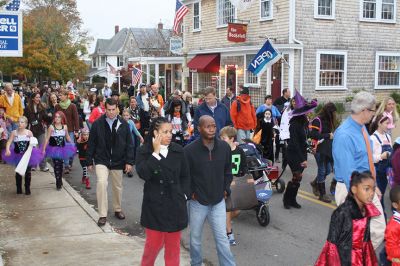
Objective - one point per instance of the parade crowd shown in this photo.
(188, 153)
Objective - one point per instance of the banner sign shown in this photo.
(266, 57)
(237, 32)
(10, 33)
(175, 46)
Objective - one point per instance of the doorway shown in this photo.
(231, 78)
(276, 77)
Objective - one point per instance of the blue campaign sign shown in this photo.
(9, 25)
(265, 57)
(10, 33)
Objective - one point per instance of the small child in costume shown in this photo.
(349, 238)
(16, 146)
(56, 147)
(392, 234)
(82, 144)
(239, 168)
(4, 123)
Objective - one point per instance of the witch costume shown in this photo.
(349, 240)
(297, 148)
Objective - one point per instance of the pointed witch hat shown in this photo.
(302, 107)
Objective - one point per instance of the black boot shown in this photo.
(292, 201)
(58, 183)
(18, 181)
(314, 186)
(322, 193)
(287, 195)
(28, 183)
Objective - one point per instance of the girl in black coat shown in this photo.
(162, 165)
(267, 134)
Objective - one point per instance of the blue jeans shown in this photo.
(216, 216)
(242, 134)
(324, 167)
(382, 182)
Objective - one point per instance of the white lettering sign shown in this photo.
(261, 59)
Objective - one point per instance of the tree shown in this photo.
(53, 42)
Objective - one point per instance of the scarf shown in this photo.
(65, 105)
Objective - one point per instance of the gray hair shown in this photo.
(361, 101)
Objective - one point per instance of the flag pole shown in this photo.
(284, 60)
(119, 82)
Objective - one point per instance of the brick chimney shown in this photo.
(116, 29)
(160, 25)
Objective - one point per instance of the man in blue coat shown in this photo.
(214, 108)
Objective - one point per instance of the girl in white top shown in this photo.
(382, 148)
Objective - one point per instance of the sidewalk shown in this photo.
(53, 227)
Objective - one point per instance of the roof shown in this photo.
(151, 38)
(113, 45)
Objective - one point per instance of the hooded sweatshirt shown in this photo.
(243, 113)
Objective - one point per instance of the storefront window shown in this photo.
(178, 77)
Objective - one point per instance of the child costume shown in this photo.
(392, 237)
(59, 150)
(349, 241)
(82, 149)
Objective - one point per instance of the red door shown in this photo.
(276, 77)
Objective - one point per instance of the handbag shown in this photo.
(243, 194)
(257, 137)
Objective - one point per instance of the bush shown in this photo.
(396, 97)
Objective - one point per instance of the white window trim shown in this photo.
(217, 9)
(383, 87)
(317, 70)
(258, 84)
(271, 16)
(331, 17)
(378, 13)
(199, 29)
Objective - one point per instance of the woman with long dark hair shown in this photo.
(296, 153)
(37, 122)
(321, 132)
(176, 116)
(161, 164)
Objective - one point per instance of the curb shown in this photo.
(82, 203)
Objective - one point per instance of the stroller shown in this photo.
(254, 160)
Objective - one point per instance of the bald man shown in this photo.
(209, 160)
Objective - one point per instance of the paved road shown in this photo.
(293, 237)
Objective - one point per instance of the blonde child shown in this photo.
(239, 168)
(16, 146)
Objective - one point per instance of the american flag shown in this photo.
(13, 5)
(113, 70)
(180, 11)
(136, 74)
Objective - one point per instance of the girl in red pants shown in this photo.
(164, 215)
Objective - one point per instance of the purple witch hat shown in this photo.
(302, 107)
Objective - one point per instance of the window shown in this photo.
(387, 70)
(324, 9)
(103, 61)
(331, 70)
(249, 78)
(226, 13)
(196, 17)
(265, 9)
(120, 61)
(378, 10)
(94, 62)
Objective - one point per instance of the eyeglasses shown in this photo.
(372, 110)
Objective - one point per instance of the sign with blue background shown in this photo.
(265, 57)
(10, 33)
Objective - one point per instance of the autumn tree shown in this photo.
(53, 42)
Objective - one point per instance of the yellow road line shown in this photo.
(316, 201)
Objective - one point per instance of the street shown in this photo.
(293, 237)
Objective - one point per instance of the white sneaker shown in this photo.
(231, 238)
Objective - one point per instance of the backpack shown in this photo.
(314, 142)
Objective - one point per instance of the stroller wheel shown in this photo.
(280, 186)
(263, 215)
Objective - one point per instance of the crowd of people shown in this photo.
(187, 155)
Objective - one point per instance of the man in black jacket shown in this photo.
(209, 161)
(110, 146)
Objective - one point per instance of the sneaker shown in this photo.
(231, 238)
(66, 170)
(87, 181)
(83, 180)
(46, 169)
(130, 174)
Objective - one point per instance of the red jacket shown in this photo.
(392, 237)
(244, 116)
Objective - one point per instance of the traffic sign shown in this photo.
(11, 33)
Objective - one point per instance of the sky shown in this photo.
(100, 16)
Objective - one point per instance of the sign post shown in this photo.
(11, 34)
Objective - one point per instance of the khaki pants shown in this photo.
(378, 224)
(102, 173)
